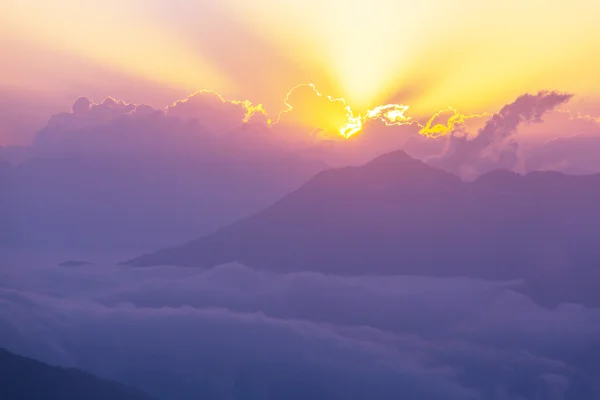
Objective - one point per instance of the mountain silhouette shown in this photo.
(27, 379)
(398, 215)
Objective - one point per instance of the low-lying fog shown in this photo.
(236, 332)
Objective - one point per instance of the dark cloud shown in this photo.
(494, 146)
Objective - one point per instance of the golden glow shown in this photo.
(306, 106)
(351, 128)
(252, 110)
(400, 51)
(473, 55)
(390, 114)
(333, 114)
(433, 129)
(319, 111)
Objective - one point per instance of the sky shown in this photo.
(430, 55)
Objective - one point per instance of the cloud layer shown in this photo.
(527, 134)
(116, 125)
(235, 332)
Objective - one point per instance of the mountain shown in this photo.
(26, 379)
(398, 215)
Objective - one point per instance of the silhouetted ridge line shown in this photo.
(398, 215)
(23, 378)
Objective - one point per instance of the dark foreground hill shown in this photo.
(397, 215)
(26, 379)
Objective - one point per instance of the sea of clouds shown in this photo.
(234, 332)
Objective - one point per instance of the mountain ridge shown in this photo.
(23, 378)
(398, 215)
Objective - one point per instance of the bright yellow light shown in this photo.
(389, 51)
(252, 110)
(368, 53)
(308, 107)
(432, 129)
(390, 114)
(353, 126)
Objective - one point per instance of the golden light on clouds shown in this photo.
(352, 127)
(368, 59)
(440, 124)
(390, 114)
(309, 107)
(306, 106)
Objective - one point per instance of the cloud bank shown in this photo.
(113, 125)
(327, 127)
(236, 332)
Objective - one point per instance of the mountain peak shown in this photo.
(395, 157)
(398, 166)
(397, 163)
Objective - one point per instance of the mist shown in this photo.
(237, 332)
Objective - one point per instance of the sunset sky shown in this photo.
(471, 55)
(300, 199)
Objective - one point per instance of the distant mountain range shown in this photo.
(26, 379)
(398, 215)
